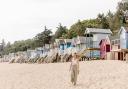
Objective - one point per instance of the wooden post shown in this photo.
(120, 55)
(113, 55)
(123, 56)
(126, 57)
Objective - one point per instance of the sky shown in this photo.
(23, 19)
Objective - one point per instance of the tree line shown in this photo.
(110, 20)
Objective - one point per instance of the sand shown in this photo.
(107, 74)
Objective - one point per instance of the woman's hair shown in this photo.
(77, 56)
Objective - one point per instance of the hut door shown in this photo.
(120, 56)
(107, 48)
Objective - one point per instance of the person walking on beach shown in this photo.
(74, 68)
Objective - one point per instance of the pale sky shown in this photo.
(23, 19)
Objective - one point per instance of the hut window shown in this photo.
(116, 41)
(88, 35)
(112, 42)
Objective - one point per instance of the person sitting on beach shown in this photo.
(74, 68)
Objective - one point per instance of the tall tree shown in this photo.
(43, 37)
(110, 19)
(76, 29)
(91, 23)
(7, 48)
(61, 30)
(3, 43)
(118, 18)
(102, 20)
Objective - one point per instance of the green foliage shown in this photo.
(76, 29)
(117, 19)
(92, 23)
(7, 48)
(123, 6)
(111, 21)
(43, 37)
(61, 31)
(19, 46)
(102, 21)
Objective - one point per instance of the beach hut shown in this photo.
(63, 44)
(60, 43)
(120, 44)
(32, 54)
(94, 36)
(79, 43)
(40, 51)
(81, 40)
(123, 37)
(105, 47)
(123, 32)
(68, 43)
(115, 47)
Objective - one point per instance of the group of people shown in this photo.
(74, 68)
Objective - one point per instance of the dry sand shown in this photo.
(93, 75)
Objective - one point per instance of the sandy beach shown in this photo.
(93, 75)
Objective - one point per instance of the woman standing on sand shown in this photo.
(74, 68)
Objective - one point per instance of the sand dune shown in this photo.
(93, 75)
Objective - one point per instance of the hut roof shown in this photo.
(123, 28)
(101, 41)
(98, 31)
(114, 37)
(63, 41)
(126, 29)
